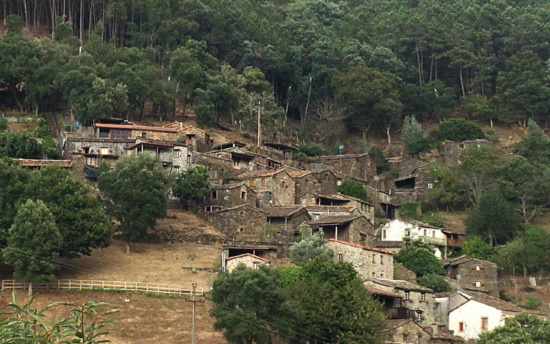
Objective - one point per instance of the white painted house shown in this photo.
(397, 230)
(474, 313)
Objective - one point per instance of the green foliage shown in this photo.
(409, 210)
(435, 282)
(79, 215)
(333, 305)
(382, 164)
(267, 231)
(421, 260)
(459, 129)
(311, 247)
(532, 303)
(447, 190)
(528, 252)
(26, 324)
(353, 188)
(478, 107)
(478, 169)
(419, 146)
(14, 24)
(192, 184)
(411, 130)
(4, 124)
(33, 243)
(311, 149)
(13, 182)
(535, 146)
(135, 191)
(493, 219)
(523, 328)
(250, 307)
(476, 247)
(19, 144)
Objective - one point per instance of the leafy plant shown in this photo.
(354, 189)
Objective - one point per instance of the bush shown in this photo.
(420, 260)
(435, 282)
(353, 189)
(408, 210)
(311, 149)
(382, 164)
(4, 124)
(419, 146)
(459, 129)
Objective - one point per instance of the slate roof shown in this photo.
(400, 284)
(335, 220)
(464, 259)
(231, 186)
(330, 208)
(298, 174)
(236, 208)
(284, 211)
(258, 174)
(493, 302)
(364, 247)
(246, 255)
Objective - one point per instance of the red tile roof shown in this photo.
(44, 162)
(135, 127)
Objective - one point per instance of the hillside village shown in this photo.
(261, 197)
(265, 172)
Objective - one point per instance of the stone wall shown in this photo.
(239, 223)
(484, 273)
(368, 263)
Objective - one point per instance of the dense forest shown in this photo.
(368, 63)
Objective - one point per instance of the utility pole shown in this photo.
(194, 300)
(259, 123)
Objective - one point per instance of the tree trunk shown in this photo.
(30, 289)
(462, 82)
(16, 98)
(128, 247)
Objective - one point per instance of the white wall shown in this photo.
(396, 231)
(471, 313)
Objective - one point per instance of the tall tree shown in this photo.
(523, 328)
(193, 184)
(250, 307)
(135, 190)
(33, 243)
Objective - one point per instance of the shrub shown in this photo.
(435, 282)
(382, 164)
(419, 146)
(311, 149)
(353, 189)
(459, 129)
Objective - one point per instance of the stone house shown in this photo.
(231, 195)
(415, 301)
(472, 313)
(368, 261)
(318, 211)
(397, 230)
(356, 229)
(249, 260)
(356, 165)
(363, 207)
(328, 182)
(280, 150)
(173, 155)
(197, 139)
(219, 168)
(270, 252)
(473, 273)
(405, 331)
(281, 185)
(239, 223)
(287, 219)
(131, 131)
(96, 147)
(305, 182)
(455, 239)
(413, 187)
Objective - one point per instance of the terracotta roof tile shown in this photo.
(44, 162)
(135, 127)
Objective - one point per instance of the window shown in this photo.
(484, 323)
(381, 275)
(418, 316)
(362, 237)
(430, 186)
(478, 267)
(384, 234)
(120, 134)
(478, 284)
(422, 297)
(214, 194)
(177, 153)
(243, 194)
(407, 296)
(241, 213)
(460, 326)
(408, 232)
(340, 257)
(373, 259)
(241, 229)
(373, 274)
(425, 232)
(104, 150)
(262, 182)
(405, 337)
(381, 260)
(256, 265)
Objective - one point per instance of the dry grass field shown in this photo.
(142, 319)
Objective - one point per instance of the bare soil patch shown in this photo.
(142, 319)
(453, 221)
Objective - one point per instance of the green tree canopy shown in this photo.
(33, 243)
(192, 184)
(523, 328)
(476, 247)
(459, 129)
(250, 307)
(435, 282)
(135, 190)
(19, 144)
(310, 247)
(420, 260)
(333, 305)
(494, 219)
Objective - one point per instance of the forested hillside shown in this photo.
(368, 63)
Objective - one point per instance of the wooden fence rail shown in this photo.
(65, 284)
